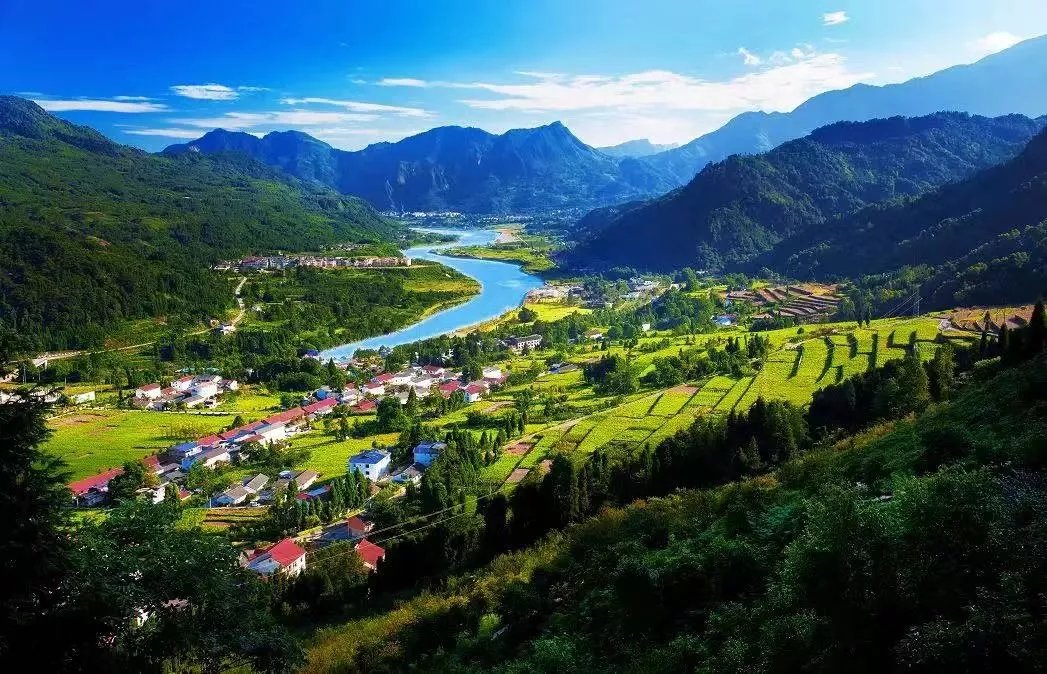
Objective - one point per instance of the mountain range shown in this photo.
(746, 205)
(636, 148)
(454, 168)
(1011, 81)
(93, 233)
(548, 168)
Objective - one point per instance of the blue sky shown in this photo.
(353, 72)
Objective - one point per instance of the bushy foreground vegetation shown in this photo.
(894, 547)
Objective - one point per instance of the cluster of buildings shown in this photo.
(288, 558)
(187, 391)
(376, 464)
(258, 263)
(424, 381)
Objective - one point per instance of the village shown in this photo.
(277, 262)
(169, 470)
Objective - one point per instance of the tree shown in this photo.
(34, 546)
(1037, 337)
(187, 586)
(526, 315)
(134, 477)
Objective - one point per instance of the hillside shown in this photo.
(1008, 82)
(94, 234)
(454, 168)
(745, 205)
(983, 237)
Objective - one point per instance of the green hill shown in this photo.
(95, 234)
(915, 545)
(744, 206)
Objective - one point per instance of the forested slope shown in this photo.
(93, 233)
(883, 542)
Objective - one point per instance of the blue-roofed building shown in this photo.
(373, 464)
(186, 449)
(426, 452)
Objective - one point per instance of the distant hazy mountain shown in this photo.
(636, 148)
(745, 205)
(1011, 81)
(455, 168)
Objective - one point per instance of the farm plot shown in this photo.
(732, 397)
(670, 403)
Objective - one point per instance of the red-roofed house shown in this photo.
(450, 387)
(321, 407)
(152, 462)
(358, 527)
(364, 406)
(149, 391)
(285, 557)
(183, 383)
(95, 489)
(370, 553)
(383, 378)
(434, 370)
(474, 392)
(209, 440)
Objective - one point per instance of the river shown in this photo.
(503, 286)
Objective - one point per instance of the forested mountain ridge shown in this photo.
(1011, 81)
(454, 168)
(745, 205)
(983, 239)
(93, 233)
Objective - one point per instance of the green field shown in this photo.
(803, 362)
(96, 440)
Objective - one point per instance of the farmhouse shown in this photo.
(474, 391)
(518, 344)
(148, 391)
(234, 495)
(284, 557)
(412, 473)
(370, 553)
(95, 489)
(427, 452)
(358, 527)
(364, 407)
(373, 464)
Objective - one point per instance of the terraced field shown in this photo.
(801, 364)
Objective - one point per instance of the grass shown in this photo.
(96, 440)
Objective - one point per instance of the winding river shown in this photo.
(503, 286)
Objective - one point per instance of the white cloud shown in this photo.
(834, 18)
(189, 134)
(790, 79)
(99, 105)
(749, 58)
(403, 82)
(133, 98)
(206, 92)
(359, 106)
(994, 42)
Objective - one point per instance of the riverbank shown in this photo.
(503, 287)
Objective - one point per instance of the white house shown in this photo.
(373, 464)
(205, 389)
(401, 378)
(148, 391)
(234, 495)
(473, 392)
(285, 557)
(272, 432)
(492, 372)
(373, 389)
(81, 398)
(518, 344)
(182, 384)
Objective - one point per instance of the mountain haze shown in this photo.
(635, 148)
(1011, 81)
(454, 168)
